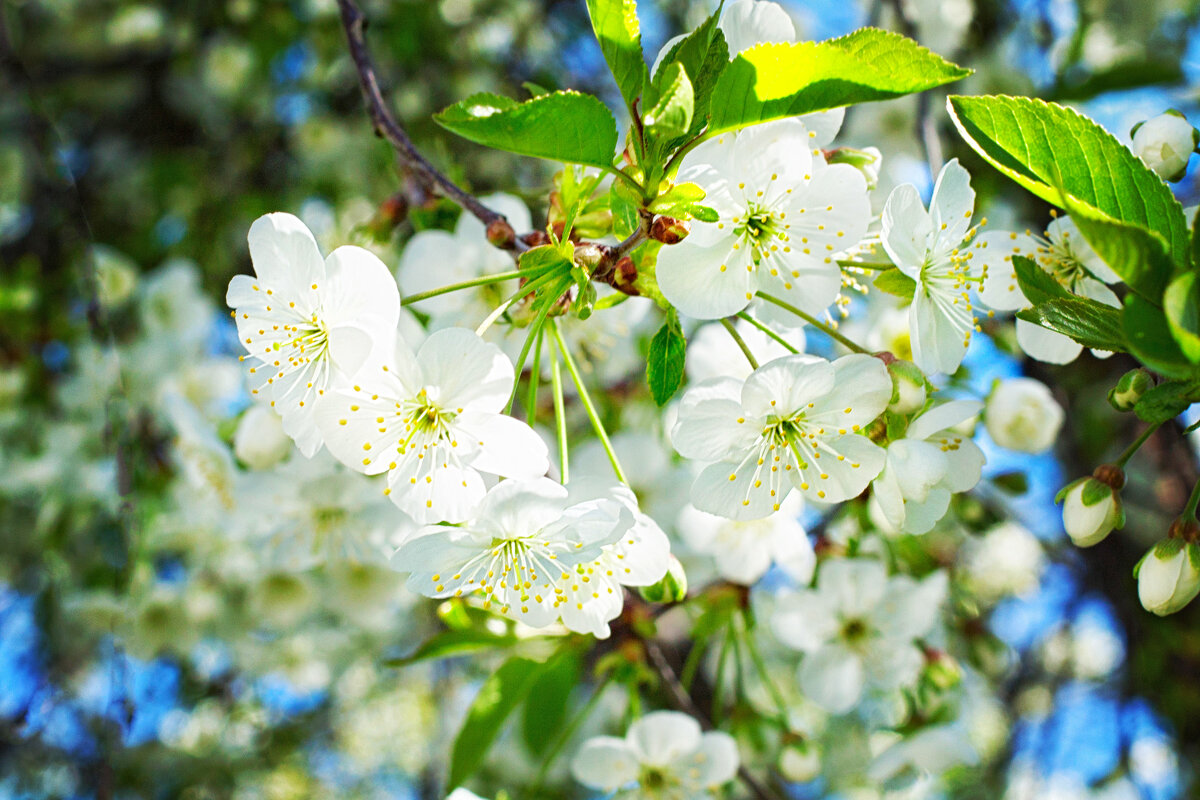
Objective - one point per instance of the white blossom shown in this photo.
(857, 629)
(433, 422)
(1021, 414)
(927, 246)
(308, 323)
(1165, 143)
(795, 422)
(743, 551)
(663, 756)
(783, 219)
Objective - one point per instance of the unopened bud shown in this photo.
(942, 670)
(588, 256)
(669, 230)
(867, 161)
(908, 387)
(1131, 387)
(1168, 576)
(800, 762)
(536, 239)
(1091, 510)
(1166, 143)
(671, 588)
(624, 274)
(259, 441)
(501, 234)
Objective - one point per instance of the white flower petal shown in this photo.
(906, 229)
(715, 761)
(466, 370)
(940, 332)
(952, 204)
(1046, 345)
(605, 763)
(506, 446)
(705, 281)
(992, 253)
(833, 678)
(661, 737)
(284, 252)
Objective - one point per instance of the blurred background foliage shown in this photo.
(141, 137)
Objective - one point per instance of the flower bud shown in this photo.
(1131, 387)
(624, 274)
(1022, 415)
(669, 230)
(1168, 576)
(501, 234)
(908, 387)
(942, 670)
(1165, 143)
(259, 441)
(671, 588)
(867, 161)
(800, 762)
(1091, 510)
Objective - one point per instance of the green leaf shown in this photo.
(1150, 339)
(895, 282)
(1196, 242)
(624, 211)
(773, 81)
(1013, 482)
(1088, 322)
(619, 33)
(500, 694)
(453, 643)
(1042, 146)
(705, 55)
(546, 708)
(562, 126)
(1167, 401)
(664, 364)
(1036, 284)
(1138, 255)
(672, 114)
(1181, 305)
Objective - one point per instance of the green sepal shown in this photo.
(1168, 548)
(1062, 493)
(1095, 492)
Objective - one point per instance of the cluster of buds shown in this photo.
(1092, 506)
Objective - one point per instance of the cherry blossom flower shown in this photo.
(925, 467)
(743, 551)
(307, 322)
(927, 246)
(432, 421)
(783, 219)
(857, 630)
(664, 755)
(525, 541)
(795, 422)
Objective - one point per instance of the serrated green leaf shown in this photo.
(774, 81)
(546, 707)
(1167, 401)
(1149, 337)
(624, 212)
(616, 25)
(1138, 255)
(895, 282)
(453, 643)
(1036, 284)
(1181, 306)
(1041, 146)
(665, 362)
(671, 116)
(562, 126)
(1088, 322)
(705, 55)
(503, 690)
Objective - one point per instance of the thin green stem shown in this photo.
(1189, 511)
(760, 667)
(560, 416)
(565, 736)
(549, 300)
(1136, 445)
(741, 343)
(744, 316)
(586, 400)
(692, 664)
(816, 323)
(875, 265)
(718, 707)
(532, 286)
(535, 375)
(629, 179)
(482, 280)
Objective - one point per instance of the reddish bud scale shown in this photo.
(1110, 475)
(669, 230)
(501, 234)
(1186, 529)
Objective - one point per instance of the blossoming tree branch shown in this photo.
(727, 211)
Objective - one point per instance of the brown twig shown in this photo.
(411, 160)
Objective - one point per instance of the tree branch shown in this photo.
(415, 165)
